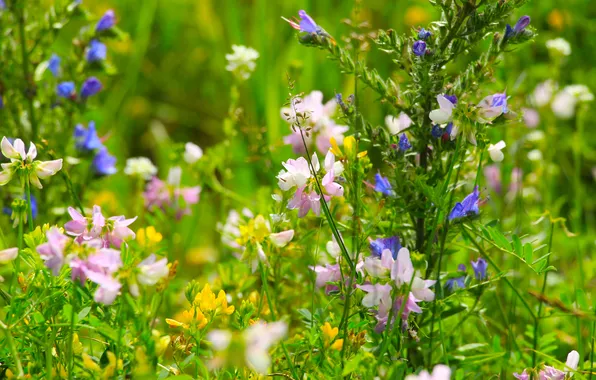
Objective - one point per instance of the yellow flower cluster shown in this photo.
(205, 307)
(350, 147)
(148, 237)
(255, 230)
(329, 334)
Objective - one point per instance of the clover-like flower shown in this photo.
(23, 164)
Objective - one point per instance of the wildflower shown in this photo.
(66, 90)
(8, 254)
(89, 364)
(402, 272)
(495, 151)
(467, 207)
(24, 163)
(325, 274)
(480, 266)
(543, 93)
(106, 21)
(442, 133)
(113, 230)
(531, 117)
(151, 270)
(558, 47)
(565, 102)
(440, 372)
(519, 27)
(104, 163)
(52, 252)
(306, 24)
(419, 48)
(329, 333)
(141, 167)
(458, 282)
(259, 338)
(86, 140)
(162, 194)
(350, 146)
(379, 245)
(397, 124)
(96, 51)
(297, 173)
(383, 186)
(90, 87)
(404, 143)
(424, 34)
(444, 114)
(100, 269)
(54, 65)
(148, 237)
(242, 61)
(192, 153)
(492, 107)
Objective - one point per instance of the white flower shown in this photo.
(543, 93)
(296, 174)
(495, 151)
(220, 339)
(535, 155)
(440, 372)
(565, 102)
(192, 153)
(259, 338)
(281, 239)
(17, 155)
(175, 176)
(572, 362)
(444, 114)
(242, 61)
(397, 124)
(8, 254)
(558, 46)
(151, 270)
(140, 166)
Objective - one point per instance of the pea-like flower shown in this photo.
(152, 270)
(86, 139)
(444, 114)
(9, 254)
(23, 163)
(97, 51)
(397, 124)
(495, 151)
(467, 207)
(492, 107)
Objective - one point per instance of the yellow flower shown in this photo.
(148, 237)
(185, 318)
(350, 146)
(415, 15)
(77, 347)
(255, 230)
(556, 19)
(329, 333)
(338, 344)
(89, 364)
(222, 302)
(205, 299)
(110, 370)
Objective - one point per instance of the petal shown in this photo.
(8, 149)
(19, 146)
(46, 169)
(445, 103)
(440, 116)
(281, 239)
(32, 152)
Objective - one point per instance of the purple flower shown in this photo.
(106, 21)
(382, 185)
(66, 89)
(91, 87)
(404, 143)
(391, 243)
(96, 51)
(479, 267)
(52, 252)
(424, 34)
(86, 139)
(2, 5)
(522, 376)
(306, 23)
(500, 100)
(419, 48)
(467, 207)
(54, 65)
(104, 163)
(451, 98)
(519, 27)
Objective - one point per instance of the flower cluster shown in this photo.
(23, 163)
(87, 141)
(171, 195)
(204, 308)
(242, 62)
(112, 231)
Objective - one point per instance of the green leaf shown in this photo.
(528, 253)
(471, 346)
(352, 365)
(517, 245)
(83, 313)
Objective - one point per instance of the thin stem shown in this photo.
(17, 260)
(25, 63)
(13, 349)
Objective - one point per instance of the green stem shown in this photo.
(29, 208)
(17, 260)
(25, 63)
(70, 360)
(13, 349)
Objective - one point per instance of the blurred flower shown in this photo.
(467, 207)
(419, 48)
(522, 376)
(327, 273)
(440, 372)
(90, 87)
(54, 65)
(551, 373)
(164, 195)
(86, 140)
(531, 117)
(479, 267)
(566, 100)
(242, 62)
(416, 15)
(148, 237)
(104, 163)
(404, 143)
(8, 254)
(492, 107)
(259, 338)
(397, 124)
(96, 51)
(556, 19)
(495, 151)
(106, 21)
(192, 153)
(66, 89)
(379, 245)
(151, 270)
(383, 186)
(424, 34)
(444, 114)
(24, 164)
(558, 47)
(329, 334)
(306, 23)
(52, 252)
(543, 93)
(296, 173)
(141, 167)
(535, 155)
(519, 27)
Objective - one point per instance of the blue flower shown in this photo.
(438, 132)
(2, 5)
(457, 282)
(469, 206)
(419, 48)
(86, 140)
(96, 51)
(66, 89)
(479, 267)
(451, 98)
(106, 21)
(54, 65)
(500, 100)
(391, 243)
(404, 143)
(90, 87)
(382, 185)
(1, 102)
(519, 27)
(424, 34)
(104, 163)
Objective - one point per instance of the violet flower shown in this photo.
(106, 21)
(467, 207)
(419, 48)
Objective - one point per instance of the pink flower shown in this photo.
(297, 173)
(120, 231)
(522, 376)
(325, 274)
(281, 239)
(52, 252)
(78, 225)
(305, 202)
(8, 254)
